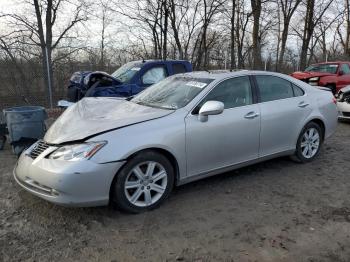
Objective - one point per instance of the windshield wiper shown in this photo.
(153, 105)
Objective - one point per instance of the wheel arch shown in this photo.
(162, 151)
(321, 124)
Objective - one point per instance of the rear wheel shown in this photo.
(309, 143)
(143, 183)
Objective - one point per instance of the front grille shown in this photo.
(346, 114)
(40, 147)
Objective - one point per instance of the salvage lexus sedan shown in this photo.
(132, 152)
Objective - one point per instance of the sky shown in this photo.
(118, 34)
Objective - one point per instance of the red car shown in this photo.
(334, 75)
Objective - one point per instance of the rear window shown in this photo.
(274, 88)
(297, 90)
(179, 68)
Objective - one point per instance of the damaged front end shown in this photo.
(89, 84)
(343, 103)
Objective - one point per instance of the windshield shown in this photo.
(127, 71)
(324, 68)
(172, 93)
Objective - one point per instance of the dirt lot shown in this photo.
(273, 211)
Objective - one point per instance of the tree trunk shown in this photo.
(307, 34)
(165, 29)
(45, 44)
(175, 29)
(256, 9)
(347, 40)
(233, 49)
(283, 44)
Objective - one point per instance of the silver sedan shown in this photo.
(132, 152)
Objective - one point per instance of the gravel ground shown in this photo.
(274, 211)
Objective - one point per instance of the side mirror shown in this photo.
(341, 72)
(210, 108)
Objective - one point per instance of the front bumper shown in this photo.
(343, 110)
(80, 183)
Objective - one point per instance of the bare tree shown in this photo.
(233, 36)
(185, 22)
(256, 6)
(345, 40)
(242, 22)
(312, 18)
(210, 9)
(288, 8)
(106, 20)
(40, 31)
(151, 17)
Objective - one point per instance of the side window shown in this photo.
(179, 68)
(297, 90)
(273, 88)
(154, 75)
(345, 68)
(233, 92)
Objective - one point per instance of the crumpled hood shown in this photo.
(91, 116)
(306, 75)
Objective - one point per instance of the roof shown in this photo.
(226, 74)
(160, 60)
(331, 62)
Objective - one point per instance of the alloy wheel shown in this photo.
(310, 142)
(145, 184)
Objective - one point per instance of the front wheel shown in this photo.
(143, 183)
(309, 143)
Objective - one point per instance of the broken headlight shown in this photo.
(314, 81)
(77, 152)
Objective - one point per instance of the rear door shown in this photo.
(228, 138)
(284, 107)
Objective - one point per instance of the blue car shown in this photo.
(127, 81)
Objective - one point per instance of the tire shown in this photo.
(143, 183)
(309, 143)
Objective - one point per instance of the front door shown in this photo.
(226, 139)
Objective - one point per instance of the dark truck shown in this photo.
(126, 81)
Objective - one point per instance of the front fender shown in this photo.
(167, 133)
(326, 80)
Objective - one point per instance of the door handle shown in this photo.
(303, 104)
(251, 115)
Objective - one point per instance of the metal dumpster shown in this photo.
(25, 125)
